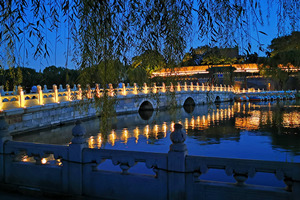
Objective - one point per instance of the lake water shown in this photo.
(262, 130)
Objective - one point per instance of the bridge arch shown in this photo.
(189, 102)
(146, 105)
(218, 99)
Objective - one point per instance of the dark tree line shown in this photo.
(28, 77)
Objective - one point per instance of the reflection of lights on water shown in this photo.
(146, 131)
(99, 141)
(186, 123)
(193, 123)
(44, 161)
(155, 129)
(172, 126)
(91, 142)
(112, 138)
(165, 128)
(136, 133)
(125, 135)
(25, 159)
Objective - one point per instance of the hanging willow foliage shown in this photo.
(101, 34)
(112, 30)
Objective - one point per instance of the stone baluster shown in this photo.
(124, 89)
(40, 95)
(68, 92)
(89, 91)
(21, 97)
(145, 88)
(75, 158)
(203, 87)
(178, 87)
(61, 89)
(197, 86)
(221, 88)
(163, 87)
(244, 90)
(111, 90)
(185, 86)
(154, 88)
(15, 91)
(2, 92)
(258, 90)
(171, 87)
(45, 90)
(176, 163)
(55, 93)
(212, 87)
(97, 89)
(4, 136)
(74, 87)
(79, 94)
(192, 86)
(134, 88)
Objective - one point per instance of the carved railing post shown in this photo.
(89, 91)
(4, 136)
(45, 90)
(97, 89)
(79, 95)
(111, 90)
(61, 89)
(124, 89)
(145, 88)
(68, 92)
(40, 95)
(163, 87)
(176, 164)
(171, 87)
(185, 86)
(154, 88)
(75, 158)
(203, 87)
(192, 86)
(178, 87)
(21, 97)
(134, 88)
(197, 86)
(55, 93)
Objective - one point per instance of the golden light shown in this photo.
(178, 87)
(172, 126)
(44, 161)
(165, 127)
(99, 141)
(145, 88)
(125, 135)
(91, 142)
(112, 138)
(136, 132)
(185, 86)
(155, 130)
(186, 123)
(146, 131)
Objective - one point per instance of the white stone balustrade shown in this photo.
(45, 96)
(76, 170)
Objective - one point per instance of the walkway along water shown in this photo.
(76, 170)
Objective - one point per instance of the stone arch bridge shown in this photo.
(47, 108)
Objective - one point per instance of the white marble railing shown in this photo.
(57, 95)
(76, 170)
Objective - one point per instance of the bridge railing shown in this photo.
(58, 95)
(78, 170)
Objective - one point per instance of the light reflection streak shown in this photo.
(248, 118)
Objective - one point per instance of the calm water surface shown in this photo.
(263, 130)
